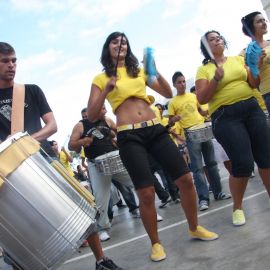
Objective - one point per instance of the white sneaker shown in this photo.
(177, 200)
(159, 218)
(203, 205)
(135, 213)
(104, 236)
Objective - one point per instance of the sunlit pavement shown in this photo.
(246, 247)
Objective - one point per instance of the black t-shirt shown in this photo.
(35, 106)
(102, 142)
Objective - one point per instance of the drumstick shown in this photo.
(117, 60)
(208, 49)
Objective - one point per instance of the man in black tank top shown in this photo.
(98, 139)
(103, 138)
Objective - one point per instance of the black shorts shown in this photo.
(241, 129)
(135, 147)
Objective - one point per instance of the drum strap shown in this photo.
(1, 181)
(17, 114)
(15, 154)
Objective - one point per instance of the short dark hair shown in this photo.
(52, 142)
(84, 110)
(192, 89)
(6, 48)
(247, 23)
(176, 75)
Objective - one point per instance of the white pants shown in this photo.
(101, 185)
(220, 153)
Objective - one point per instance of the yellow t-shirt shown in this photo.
(125, 88)
(63, 159)
(157, 112)
(264, 71)
(165, 122)
(260, 99)
(186, 106)
(204, 107)
(179, 130)
(257, 94)
(232, 88)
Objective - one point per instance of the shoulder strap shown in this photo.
(17, 113)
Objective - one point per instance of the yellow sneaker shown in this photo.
(203, 234)
(238, 217)
(157, 253)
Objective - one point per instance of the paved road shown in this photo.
(246, 247)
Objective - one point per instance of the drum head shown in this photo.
(109, 163)
(9, 140)
(200, 133)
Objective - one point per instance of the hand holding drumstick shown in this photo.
(219, 73)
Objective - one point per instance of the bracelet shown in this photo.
(215, 79)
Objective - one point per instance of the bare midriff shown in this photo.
(133, 110)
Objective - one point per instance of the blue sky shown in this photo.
(58, 42)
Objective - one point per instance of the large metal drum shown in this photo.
(110, 163)
(43, 220)
(200, 133)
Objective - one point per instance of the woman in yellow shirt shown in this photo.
(238, 122)
(123, 84)
(255, 26)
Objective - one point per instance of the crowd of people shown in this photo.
(155, 152)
